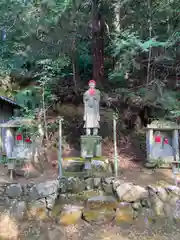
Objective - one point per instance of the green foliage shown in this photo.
(45, 40)
(32, 31)
(28, 98)
(147, 44)
(155, 163)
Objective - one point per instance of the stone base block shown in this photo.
(73, 165)
(91, 146)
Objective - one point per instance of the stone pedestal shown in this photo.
(11, 167)
(175, 143)
(91, 146)
(149, 144)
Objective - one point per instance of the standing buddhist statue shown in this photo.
(91, 100)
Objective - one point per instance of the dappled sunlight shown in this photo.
(28, 168)
(8, 227)
(37, 211)
(72, 231)
(69, 218)
(145, 176)
(109, 235)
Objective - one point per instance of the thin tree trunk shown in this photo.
(44, 113)
(117, 25)
(76, 76)
(117, 12)
(150, 50)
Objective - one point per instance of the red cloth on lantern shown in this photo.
(165, 141)
(157, 139)
(19, 137)
(92, 91)
(28, 140)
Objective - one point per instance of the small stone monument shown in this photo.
(162, 142)
(91, 142)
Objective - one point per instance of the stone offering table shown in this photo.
(91, 146)
(96, 166)
(162, 143)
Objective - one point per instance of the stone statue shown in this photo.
(162, 149)
(9, 142)
(91, 100)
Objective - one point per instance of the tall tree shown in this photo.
(98, 28)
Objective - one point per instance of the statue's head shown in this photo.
(92, 84)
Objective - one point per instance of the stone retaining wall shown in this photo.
(122, 199)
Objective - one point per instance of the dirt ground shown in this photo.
(138, 175)
(49, 174)
(49, 230)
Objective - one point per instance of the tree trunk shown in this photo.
(76, 76)
(75, 68)
(98, 43)
(117, 13)
(44, 113)
(117, 26)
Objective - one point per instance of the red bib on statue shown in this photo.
(158, 139)
(91, 91)
(19, 137)
(28, 140)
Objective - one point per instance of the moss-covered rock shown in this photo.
(98, 215)
(70, 214)
(124, 213)
(37, 210)
(100, 202)
(76, 185)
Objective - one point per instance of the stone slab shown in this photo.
(73, 166)
(163, 125)
(91, 146)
